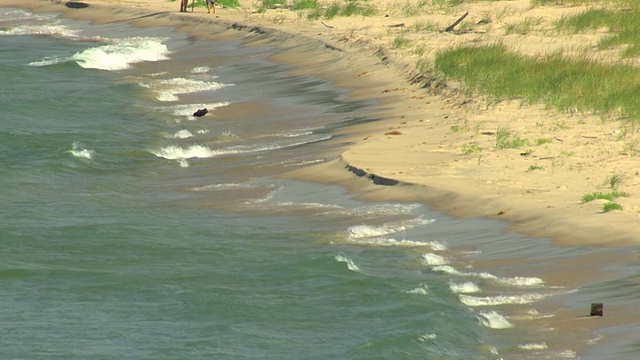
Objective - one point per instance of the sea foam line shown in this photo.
(518, 281)
(169, 89)
(463, 288)
(494, 320)
(500, 299)
(423, 289)
(433, 259)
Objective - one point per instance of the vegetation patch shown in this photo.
(340, 8)
(506, 140)
(535, 167)
(610, 206)
(623, 24)
(564, 83)
(471, 148)
(610, 196)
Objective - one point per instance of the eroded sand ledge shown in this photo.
(415, 143)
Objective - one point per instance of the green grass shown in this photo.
(341, 8)
(540, 141)
(304, 4)
(566, 84)
(400, 42)
(603, 196)
(267, 4)
(506, 140)
(614, 181)
(623, 25)
(610, 206)
(471, 148)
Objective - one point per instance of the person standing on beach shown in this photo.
(183, 5)
(211, 4)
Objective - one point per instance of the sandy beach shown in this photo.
(417, 146)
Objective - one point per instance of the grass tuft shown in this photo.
(610, 206)
(603, 196)
(506, 140)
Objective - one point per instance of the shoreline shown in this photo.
(418, 125)
(424, 123)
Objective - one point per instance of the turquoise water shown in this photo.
(131, 229)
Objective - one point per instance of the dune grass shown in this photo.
(623, 25)
(347, 8)
(564, 83)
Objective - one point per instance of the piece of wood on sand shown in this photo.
(452, 26)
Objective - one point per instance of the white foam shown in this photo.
(178, 153)
(447, 269)
(426, 337)
(389, 209)
(49, 61)
(227, 135)
(466, 287)
(169, 89)
(423, 289)
(80, 152)
(20, 15)
(532, 314)
(183, 163)
(517, 281)
(174, 152)
(182, 134)
(350, 264)
(308, 205)
(431, 259)
(200, 70)
(383, 241)
(56, 30)
(500, 299)
(223, 187)
(533, 346)
(595, 340)
(494, 320)
(568, 354)
(202, 131)
(122, 53)
(366, 231)
(370, 231)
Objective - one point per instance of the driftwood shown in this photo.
(329, 26)
(450, 27)
(396, 25)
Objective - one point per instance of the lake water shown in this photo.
(131, 229)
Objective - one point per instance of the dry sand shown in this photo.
(419, 143)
